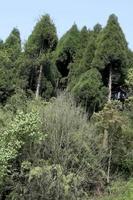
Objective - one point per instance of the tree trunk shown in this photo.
(110, 84)
(109, 166)
(39, 83)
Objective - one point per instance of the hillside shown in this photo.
(66, 114)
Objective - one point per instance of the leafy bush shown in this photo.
(120, 190)
(24, 128)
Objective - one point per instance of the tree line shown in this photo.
(88, 63)
(62, 136)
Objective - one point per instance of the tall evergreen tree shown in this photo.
(84, 82)
(88, 55)
(38, 51)
(9, 53)
(13, 44)
(111, 54)
(6, 76)
(66, 50)
(84, 55)
(84, 37)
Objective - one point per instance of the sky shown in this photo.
(24, 14)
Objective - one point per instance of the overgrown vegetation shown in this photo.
(65, 130)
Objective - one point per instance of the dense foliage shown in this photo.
(66, 133)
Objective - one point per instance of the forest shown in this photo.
(66, 114)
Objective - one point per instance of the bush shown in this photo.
(64, 165)
(120, 190)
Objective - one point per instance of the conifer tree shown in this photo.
(66, 50)
(85, 54)
(38, 48)
(111, 54)
(88, 55)
(6, 76)
(89, 91)
(84, 82)
(10, 50)
(13, 44)
(84, 37)
(73, 72)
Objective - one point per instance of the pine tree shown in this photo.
(10, 50)
(66, 50)
(84, 37)
(88, 55)
(38, 49)
(84, 82)
(84, 55)
(13, 44)
(6, 76)
(111, 54)
(73, 72)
